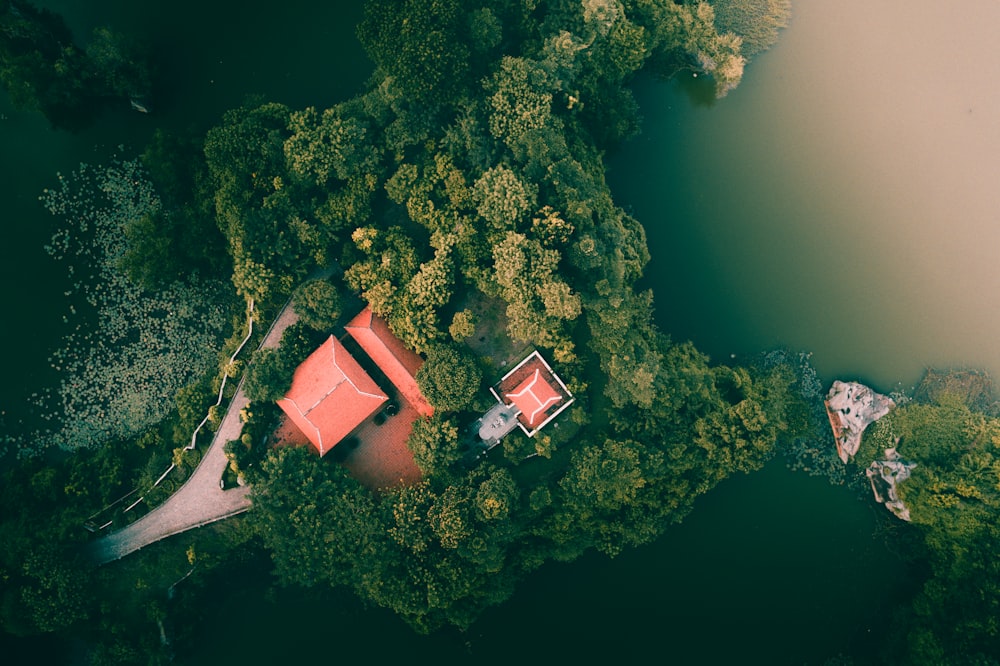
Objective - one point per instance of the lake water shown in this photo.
(841, 201)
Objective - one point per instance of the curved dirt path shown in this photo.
(200, 500)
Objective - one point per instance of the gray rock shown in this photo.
(885, 476)
(852, 407)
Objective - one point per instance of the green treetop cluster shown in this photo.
(952, 432)
(471, 170)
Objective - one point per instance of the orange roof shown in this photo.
(392, 357)
(533, 396)
(330, 396)
(535, 391)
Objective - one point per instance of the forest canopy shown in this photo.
(469, 173)
(462, 189)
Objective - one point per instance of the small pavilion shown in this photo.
(532, 392)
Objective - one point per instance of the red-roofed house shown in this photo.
(331, 395)
(534, 392)
(399, 364)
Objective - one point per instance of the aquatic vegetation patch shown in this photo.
(126, 351)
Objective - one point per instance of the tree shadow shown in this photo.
(699, 88)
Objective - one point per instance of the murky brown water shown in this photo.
(843, 200)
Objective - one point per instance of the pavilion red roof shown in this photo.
(330, 396)
(399, 364)
(535, 391)
(533, 396)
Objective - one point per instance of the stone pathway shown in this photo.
(201, 499)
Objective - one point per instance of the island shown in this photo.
(442, 370)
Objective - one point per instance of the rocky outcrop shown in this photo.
(852, 407)
(885, 476)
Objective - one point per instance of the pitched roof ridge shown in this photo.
(357, 321)
(305, 420)
(530, 388)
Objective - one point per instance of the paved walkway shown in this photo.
(201, 499)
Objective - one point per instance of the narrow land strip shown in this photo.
(201, 500)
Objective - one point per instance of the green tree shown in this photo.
(318, 304)
(756, 21)
(271, 240)
(953, 495)
(520, 99)
(503, 198)
(421, 45)
(463, 325)
(609, 498)
(390, 260)
(318, 523)
(268, 377)
(332, 145)
(449, 378)
(435, 444)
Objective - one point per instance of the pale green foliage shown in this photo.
(463, 325)
(756, 21)
(538, 301)
(519, 99)
(432, 285)
(724, 63)
(400, 185)
(602, 14)
(559, 301)
(391, 261)
(550, 228)
(252, 279)
(328, 145)
(687, 33)
(503, 198)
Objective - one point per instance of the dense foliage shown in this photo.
(470, 171)
(954, 499)
(756, 21)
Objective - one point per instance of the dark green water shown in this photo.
(771, 568)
